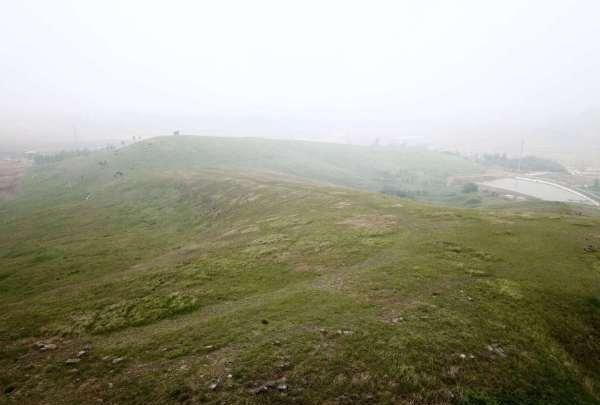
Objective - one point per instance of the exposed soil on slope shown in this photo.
(11, 174)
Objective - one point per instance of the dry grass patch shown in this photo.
(372, 222)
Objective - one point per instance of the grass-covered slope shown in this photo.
(409, 171)
(180, 284)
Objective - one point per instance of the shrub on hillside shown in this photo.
(470, 188)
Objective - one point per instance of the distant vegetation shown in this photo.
(527, 164)
(470, 188)
(42, 159)
(399, 192)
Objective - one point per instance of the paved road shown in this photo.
(541, 189)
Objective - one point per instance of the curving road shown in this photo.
(541, 189)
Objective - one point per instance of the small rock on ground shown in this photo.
(45, 346)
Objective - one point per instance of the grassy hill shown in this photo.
(190, 278)
(410, 171)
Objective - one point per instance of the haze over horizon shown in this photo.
(456, 73)
(310, 202)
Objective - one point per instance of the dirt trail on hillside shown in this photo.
(11, 175)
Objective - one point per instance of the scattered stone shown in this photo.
(264, 322)
(105, 358)
(72, 361)
(118, 360)
(284, 365)
(496, 349)
(45, 346)
(87, 347)
(282, 380)
(209, 347)
(259, 390)
(469, 298)
(590, 249)
(81, 353)
(323, 331)
(463, 356)
(279, 385)
(214, 385)
(229, 376)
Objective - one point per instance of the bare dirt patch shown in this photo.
(343, 204)
(11, 175)
(371, 222)
(241, 231)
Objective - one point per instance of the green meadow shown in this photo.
(189, 270)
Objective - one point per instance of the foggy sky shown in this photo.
(111, 69)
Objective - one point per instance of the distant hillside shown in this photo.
(407, 171)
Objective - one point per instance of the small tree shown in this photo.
(470, 188)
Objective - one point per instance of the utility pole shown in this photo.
(521, 156)
(75, 137)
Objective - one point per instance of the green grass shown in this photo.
(190, 274)
(412, 171)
